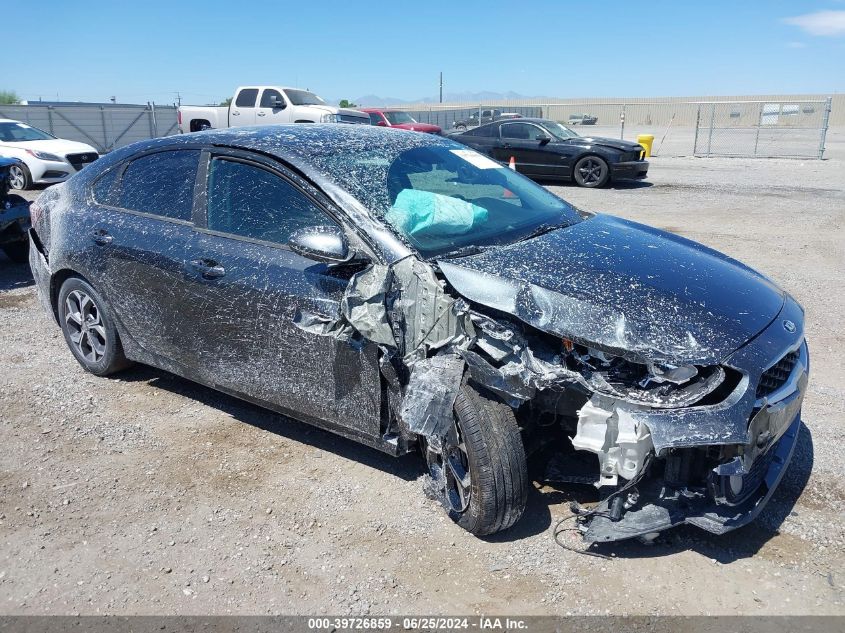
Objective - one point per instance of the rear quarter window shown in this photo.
(161, 184)
(103, 187)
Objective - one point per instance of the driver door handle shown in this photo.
(261, 114)
(207, 268)
(101, 237)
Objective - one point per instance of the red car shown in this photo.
(399, 119)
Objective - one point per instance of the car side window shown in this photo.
(161, 184)
(522, 131)
(250, 201)
(375, 118)
(102, 188)
(246, 98)
(267, 98)
(484, 131)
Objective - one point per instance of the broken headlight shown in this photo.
(662, 386)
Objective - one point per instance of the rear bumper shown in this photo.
(41, 273)
(635, 170)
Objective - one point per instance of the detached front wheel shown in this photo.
(480, 472)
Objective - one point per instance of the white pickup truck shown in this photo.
(266, 105)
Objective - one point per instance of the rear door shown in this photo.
(520, 140)
(242, 110)
(272, 108)
(250, 287)
(140, 228)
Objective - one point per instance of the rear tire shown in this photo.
(489, 446)
(18, 252)
(591, 172)
(89, 329)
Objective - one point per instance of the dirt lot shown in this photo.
(148, 494)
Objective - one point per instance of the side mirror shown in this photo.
(381, 124)
(544, 140)
(323, 243)
(277, 104)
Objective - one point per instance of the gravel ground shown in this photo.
(147, 494)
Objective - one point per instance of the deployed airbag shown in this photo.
(423, 214)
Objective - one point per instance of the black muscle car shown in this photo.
(547, 150)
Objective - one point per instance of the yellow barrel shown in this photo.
(646, 140)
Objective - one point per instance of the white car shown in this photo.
(46, 159)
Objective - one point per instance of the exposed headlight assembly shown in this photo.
(328, 117)
(45, 156)
(660, 386)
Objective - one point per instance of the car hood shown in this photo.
(624, 288)
(615, 143)
(58, 146)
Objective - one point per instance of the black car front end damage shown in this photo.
(454, 288)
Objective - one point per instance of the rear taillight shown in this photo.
(179, 116)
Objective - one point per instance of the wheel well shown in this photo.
(587, 155)
(196, 124)
(303, 121)
(56, 282)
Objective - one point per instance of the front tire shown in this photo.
(89, 329)
(591, 172)
(480, 473)
(19, 177)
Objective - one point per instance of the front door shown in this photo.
(533, 158)
(250, 287)
(272, 108)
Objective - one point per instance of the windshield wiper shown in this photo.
(463, 251)
(543, 229)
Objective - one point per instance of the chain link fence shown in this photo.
(105, 127)
(762, 128)
(680, 128)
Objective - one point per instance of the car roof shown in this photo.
(296, 143)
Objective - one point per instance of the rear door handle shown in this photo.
(101, 237)
(207, 268)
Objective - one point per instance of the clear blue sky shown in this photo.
(149, 49)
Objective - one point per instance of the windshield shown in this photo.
(14, 132)
(559, 130)
(445, 197)
(303, 97)
(398, 118)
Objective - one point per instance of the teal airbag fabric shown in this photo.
(421, 214)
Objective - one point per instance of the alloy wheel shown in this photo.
(17, 179)
(85, 326)
(591, 171)
(449, 470)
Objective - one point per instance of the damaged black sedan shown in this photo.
(412, 294)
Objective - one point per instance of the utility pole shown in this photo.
(441, 86)
(178, 99)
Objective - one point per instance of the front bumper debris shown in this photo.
(654, 512)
